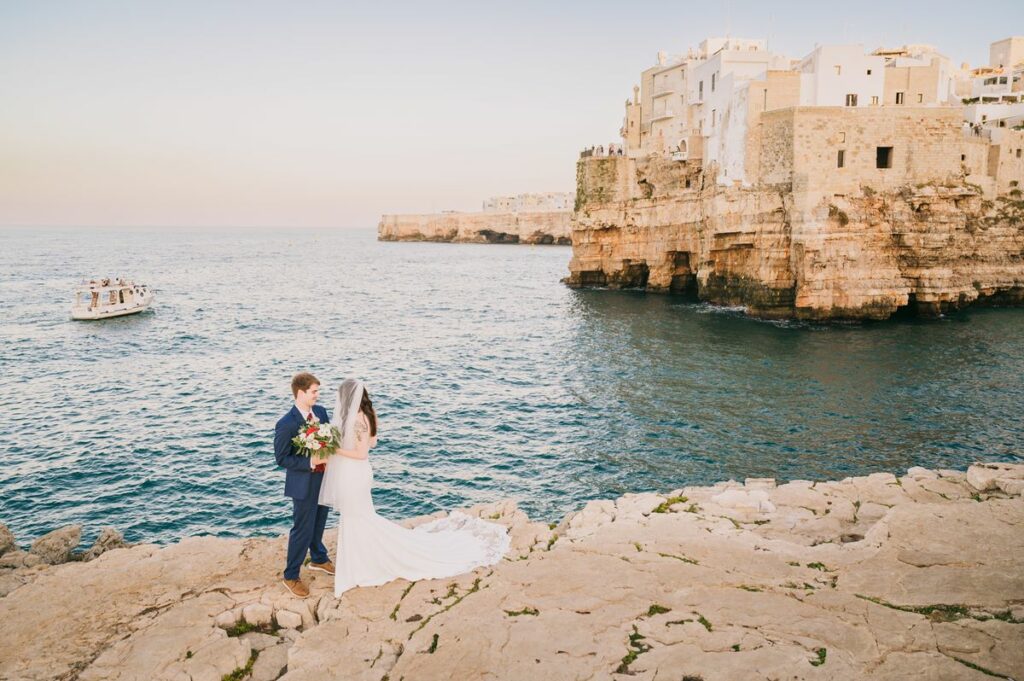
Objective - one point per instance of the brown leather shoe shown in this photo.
(327, 567)
(296, 587)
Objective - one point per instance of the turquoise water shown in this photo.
(491, 380)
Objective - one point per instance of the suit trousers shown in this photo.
(307, 534)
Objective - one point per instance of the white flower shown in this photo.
(325, 430)
(316, 446)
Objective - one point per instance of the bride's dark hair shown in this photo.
(366, 406)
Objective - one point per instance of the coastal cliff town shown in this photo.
(844, 185)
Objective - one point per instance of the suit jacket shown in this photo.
(298, 474)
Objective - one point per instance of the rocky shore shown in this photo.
(878, 577)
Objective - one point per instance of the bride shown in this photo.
(373, 550)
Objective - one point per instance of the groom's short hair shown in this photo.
(303, 381)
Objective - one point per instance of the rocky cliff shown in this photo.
(877, 577)
(801, 238)
(552, 227)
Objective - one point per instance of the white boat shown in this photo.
(103, 298)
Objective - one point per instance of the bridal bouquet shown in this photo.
(317, 438)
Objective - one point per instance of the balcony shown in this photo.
(663, 116)
(663, 92)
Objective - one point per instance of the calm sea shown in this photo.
(491, 379)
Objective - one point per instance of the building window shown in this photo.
(851, 100)
(713, 78)
(842, 137)
(700, 91)
(841, 158)
(713, 112)
(1018, 153)
(899, 97)
(839, 70)
(883, 157)
(874, 100)
(869, 72)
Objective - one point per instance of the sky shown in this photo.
(328, 114)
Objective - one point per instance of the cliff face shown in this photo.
(791, 249)
(551, 227)
(807, 240)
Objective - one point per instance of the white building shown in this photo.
(684, 97)
(997, 115)
(841, 75)
(702, 106)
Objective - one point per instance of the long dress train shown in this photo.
(373, 550)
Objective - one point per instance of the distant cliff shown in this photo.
(939, 228)
(551, 227)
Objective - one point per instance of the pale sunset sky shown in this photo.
(310, 114)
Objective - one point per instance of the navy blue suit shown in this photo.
(303, 485)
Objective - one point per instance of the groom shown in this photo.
(302, 483)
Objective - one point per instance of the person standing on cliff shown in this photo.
(303, 477)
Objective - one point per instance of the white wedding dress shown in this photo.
(372, 550)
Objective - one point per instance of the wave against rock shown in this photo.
(875, 577)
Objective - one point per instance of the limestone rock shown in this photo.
(7, 542)
(811, 246)
(258, 641)
(259, 614)
(586, 522)
(271, 664)
(755, 501)
(633, 506)
(540, 227)
(1011, 486)
(982, 477)
(759, 483)
(109, 538)
(919, 473)
(55, 548)
(289, 635)
(922, 594)
(19, 559)
(288, 619)
(227, 619)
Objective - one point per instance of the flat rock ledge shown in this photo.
(877, 577)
